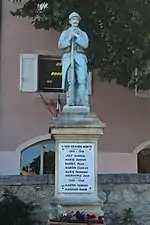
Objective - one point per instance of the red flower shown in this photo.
(100, 218)
(93, 216)
(90, 216)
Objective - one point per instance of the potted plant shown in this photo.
(69, 217)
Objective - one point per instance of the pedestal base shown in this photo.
(77, 199)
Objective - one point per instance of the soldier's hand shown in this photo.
(76, 35)
(72, 35)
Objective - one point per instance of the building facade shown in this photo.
(24, 118)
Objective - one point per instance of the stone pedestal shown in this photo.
(76, 136)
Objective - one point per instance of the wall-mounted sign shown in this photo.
(50, 74)
(76, 168)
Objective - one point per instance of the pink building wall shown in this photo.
(117, 163)
(107, 163)
(23, 115)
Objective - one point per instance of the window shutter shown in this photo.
(28, 72)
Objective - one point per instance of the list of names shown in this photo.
(76, 168)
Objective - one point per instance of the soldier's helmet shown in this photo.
(74, 14)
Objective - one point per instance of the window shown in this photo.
(38, 158)
(49, 73)
(144, 161)
(42, 73)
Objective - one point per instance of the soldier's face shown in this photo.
(74, 21)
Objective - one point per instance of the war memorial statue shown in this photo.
(76, 130)
(72, 43)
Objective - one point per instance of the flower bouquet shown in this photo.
(80, 218)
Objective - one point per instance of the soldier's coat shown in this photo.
(64, 44)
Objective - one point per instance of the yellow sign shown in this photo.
(49, 81)
(56, 74)
(58, 64)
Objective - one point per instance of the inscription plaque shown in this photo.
(76, 168)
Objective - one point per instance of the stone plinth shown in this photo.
(76, 109)
(77, 136)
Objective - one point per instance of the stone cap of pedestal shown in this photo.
(77, 120)
(77, 123)
(80, 200)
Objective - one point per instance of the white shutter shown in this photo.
(29, 72)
